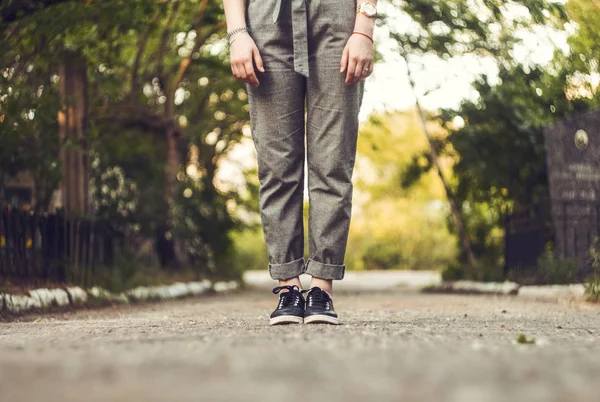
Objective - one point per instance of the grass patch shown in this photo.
(432, 289)
(522, 339)
(554, 270)
(592, 284)
(592, 288)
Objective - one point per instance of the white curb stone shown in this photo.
(37, 299)
(225, 286)
(197, 288)
(103, 294)
(78, 295)
(554, 292)
(179, 290)
(42, 298)
(503, 288)
(17, 304)
(140, 293)
(60, 297)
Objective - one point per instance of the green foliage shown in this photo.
(451, 28)
(394, 227)
(585, 43)
(522, 339)
(499, 153)
(507, 119)
(250, 249)
(138, 90)
(554, 270)
(592, 283)
(134, 50)
(419, 165)
(592, 288)
(127, 178)
(203, 222)
(453, 272)
(486, 272)
(119, 277)
(130, 271)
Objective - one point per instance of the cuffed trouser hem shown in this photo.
(289, 270)
(325, 271)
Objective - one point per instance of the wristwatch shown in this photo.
(367, 9)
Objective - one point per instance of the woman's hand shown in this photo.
(357, 59)
(243, 52)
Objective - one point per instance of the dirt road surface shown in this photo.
(395, 344)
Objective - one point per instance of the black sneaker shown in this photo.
(319, 308)
(290, 309)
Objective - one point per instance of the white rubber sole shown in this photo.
(286, 319)
(321, 319)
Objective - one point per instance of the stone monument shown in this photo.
(573, 161)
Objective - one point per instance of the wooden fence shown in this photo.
(54, 247)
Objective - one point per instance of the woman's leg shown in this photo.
(332, 132)
(277, 119)
(277, 115)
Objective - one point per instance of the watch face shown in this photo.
(369, 9)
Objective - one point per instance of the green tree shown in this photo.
(394, 227)
(158, 83)
(499, 151)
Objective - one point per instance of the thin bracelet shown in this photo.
(237, 30)
(363, 34)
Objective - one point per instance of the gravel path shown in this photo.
(395, 345)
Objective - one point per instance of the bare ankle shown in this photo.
(324, 284)
(291, 282)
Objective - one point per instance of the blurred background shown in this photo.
(126, 155)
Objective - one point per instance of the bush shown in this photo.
(417, 242)
(592, 288)
(554, 270)
(485, 271)
(453, 272)
(250, 250)
(592, 285)
(384, 255)
(491, 272)
(130, 271)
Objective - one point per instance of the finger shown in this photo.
(258, 60)
(370, 65)
(252, 80)
(243, 74)
(366, 70)
(351, 70)
(360, 71)
(241, 71)
(234, 70)
(344, 61)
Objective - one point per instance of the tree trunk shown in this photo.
(169, 246)
(72, 120)
(173, 159)
(454, 207)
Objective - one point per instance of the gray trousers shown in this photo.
(301, 52)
